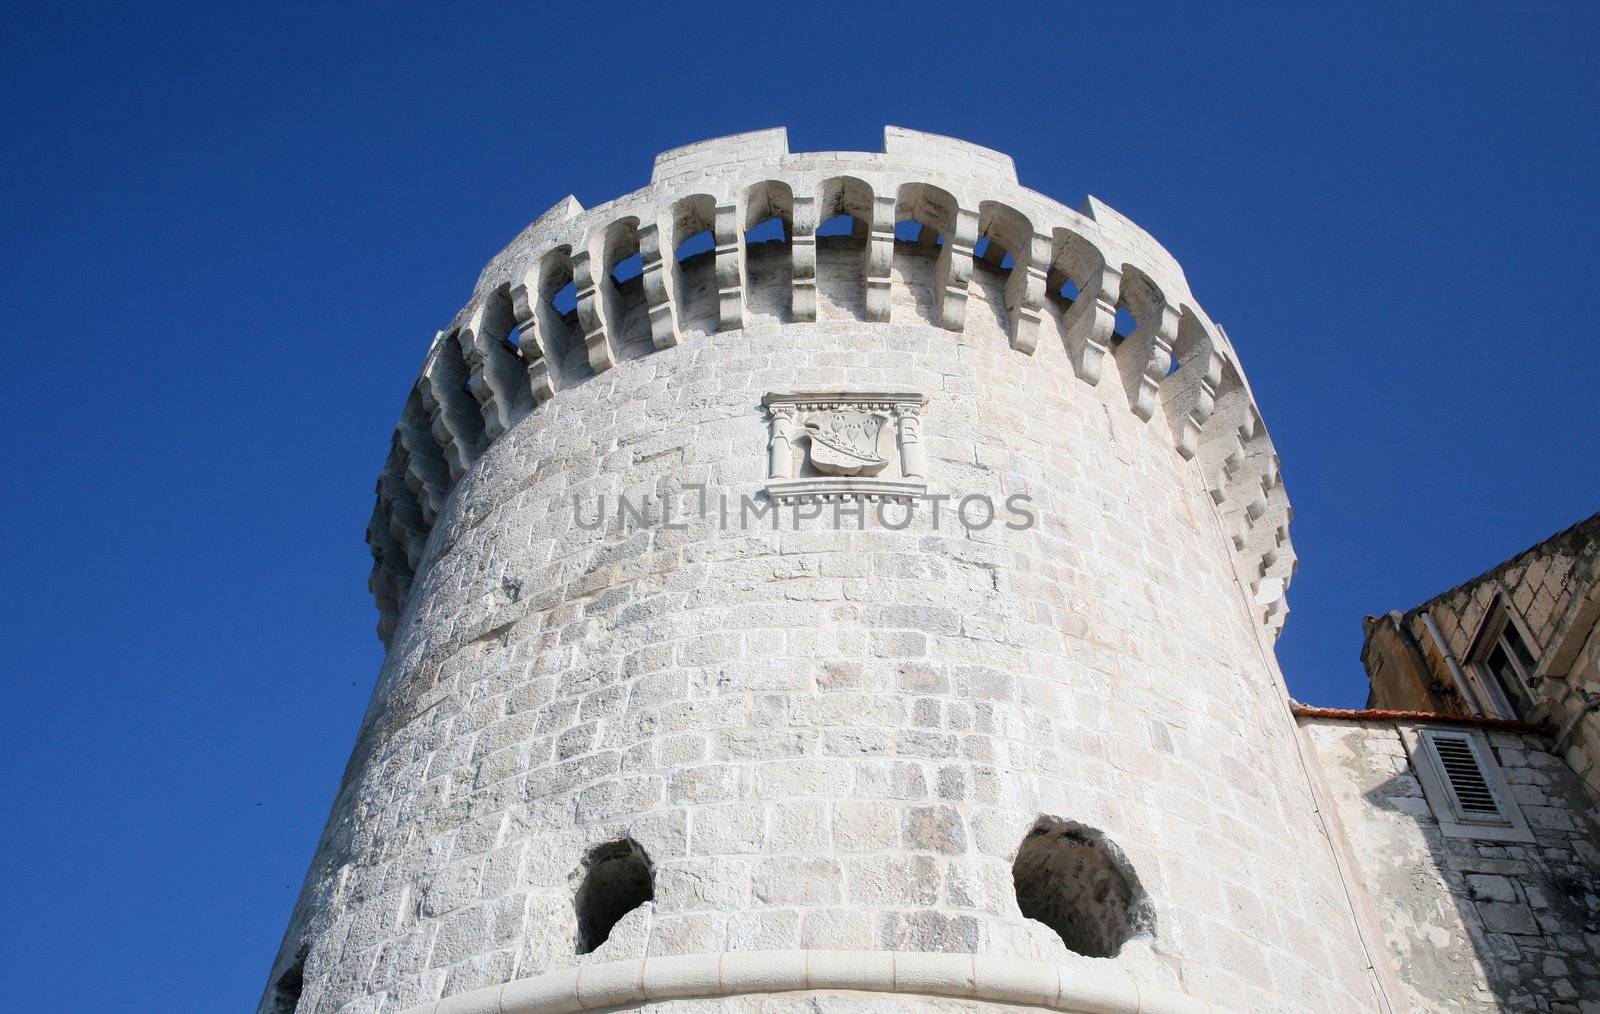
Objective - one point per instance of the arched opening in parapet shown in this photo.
(1004, 234)
(844, 206)
(617, 878)
(627, 317)
(499, 321)
(1076, 881)
(773, 230)
(767, 216)
(1142, 303)
(287, 987)
(450, 387)
(496, 374)
(1000, 257)
(565, 299)
(1125, 324)
(1073, 262)
(987, 251)
(627, 269)
(424, 471)
(702, 242)
(840, 225)
(924, 216)
(557, 310)
(1191, 343)
(693, 273)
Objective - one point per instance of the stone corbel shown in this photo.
(591, 316)
(880, 258)
(1232, 425)
(1025, 293)
(388, 555)
(1251, 491)
(404, 521)
(729, 267)
(1267, 525)
(1272, 605)
(443, 389)
(1249, 473)
(803, 259)
(425, 471)
(1278, 558)
(491, 378)
(657, 296)
(390, 578)
(524, 302)
(953, 271)
(385, 592)
(1188, 397)
(1143, 358)
(1088, 322)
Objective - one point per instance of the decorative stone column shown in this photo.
(780, 463)
(913, 462)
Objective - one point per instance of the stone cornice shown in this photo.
(865, 399)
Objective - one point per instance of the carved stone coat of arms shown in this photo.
(838, 445)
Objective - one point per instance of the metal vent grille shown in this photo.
(1465, 777)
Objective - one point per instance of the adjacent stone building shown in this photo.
(1521, 640)
(1467, 787)
(849, 581)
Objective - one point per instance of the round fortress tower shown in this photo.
(833, 580)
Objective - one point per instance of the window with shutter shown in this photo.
(1463, 776)
(1464, 786)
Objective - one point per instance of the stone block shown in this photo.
(786, 880)
(1499, 917)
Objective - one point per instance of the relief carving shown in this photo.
(839, 445)
(844, 441)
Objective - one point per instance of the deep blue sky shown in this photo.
(231, 230)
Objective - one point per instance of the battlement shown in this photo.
(581, 290)
(917, 145)
(720, 151)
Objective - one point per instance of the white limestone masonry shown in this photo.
(828, 739)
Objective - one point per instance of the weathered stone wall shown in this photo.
(1552, 590)
(1398, 673)
(1581, 727)
(1538, 585)
(831, 740)
(1473, 925)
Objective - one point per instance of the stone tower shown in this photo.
(834, 579)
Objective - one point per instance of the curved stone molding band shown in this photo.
(609, 985)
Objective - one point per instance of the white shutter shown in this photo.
(1465, 788)
(1464, 778)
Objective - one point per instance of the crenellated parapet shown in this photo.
(581, 290)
